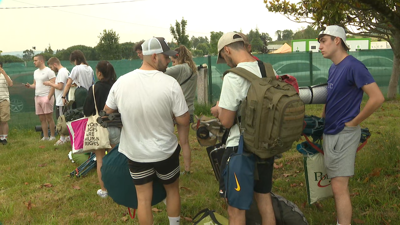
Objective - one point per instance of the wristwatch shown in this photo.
(62, 96)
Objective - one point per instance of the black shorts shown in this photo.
(265, 168)
(59, 111)
(167, 170)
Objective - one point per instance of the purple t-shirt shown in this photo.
(344, 93)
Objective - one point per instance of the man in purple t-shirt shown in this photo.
(348, 80)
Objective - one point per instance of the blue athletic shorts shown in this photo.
(241, 181)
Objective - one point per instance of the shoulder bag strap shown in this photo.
(204, 213)
(94, 98)
(186, 80)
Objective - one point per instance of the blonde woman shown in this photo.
(184, 70)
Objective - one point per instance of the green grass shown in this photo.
(26, 164)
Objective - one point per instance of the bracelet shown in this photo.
(62, 96)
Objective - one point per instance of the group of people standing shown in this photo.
(153, 99)
(348, 80)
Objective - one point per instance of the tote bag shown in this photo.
(96, 136)
(317, 180)
(76, 130)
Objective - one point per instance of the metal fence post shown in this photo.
(209, 80)
(311, 68)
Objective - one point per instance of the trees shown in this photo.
(214, 38)
(278, 33)
(265, 39)
(179, 33)
(10, 59)
(308, 33)
(204, 48)
(372, 18)
(127, 50)
(108, 46)
(287, 35)
(198, 40)
(255, 40)
(89, 52)
(28, 55)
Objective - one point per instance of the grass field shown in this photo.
(35, 187)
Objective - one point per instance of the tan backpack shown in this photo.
(272, 115)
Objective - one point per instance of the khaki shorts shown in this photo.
(4, 111)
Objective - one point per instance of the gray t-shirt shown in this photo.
(181, 72)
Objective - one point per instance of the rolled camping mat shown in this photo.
(119, 184)
(315, 94)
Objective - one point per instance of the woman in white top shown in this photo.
(81, 77)
(184, 70)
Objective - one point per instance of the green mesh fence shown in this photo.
(308, 68)
(311, 68)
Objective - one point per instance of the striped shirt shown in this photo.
(4, 94)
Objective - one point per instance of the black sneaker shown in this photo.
(4, 141)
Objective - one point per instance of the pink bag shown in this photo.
(76, 130)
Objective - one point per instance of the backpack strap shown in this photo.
(251, 76)
(270, 71)
(262, 68)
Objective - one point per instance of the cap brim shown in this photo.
(220, 59)
(170, 53)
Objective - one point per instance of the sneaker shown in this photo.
(102, 194)
(45, 139)
(4, 141)
(186, 172)
(67, 139)
(52, 138)
(59, 142)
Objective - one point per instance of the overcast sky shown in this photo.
(61, 27)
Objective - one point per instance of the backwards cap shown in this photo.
(157, 45)
(226, 39)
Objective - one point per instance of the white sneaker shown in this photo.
(67, 139)
(52, 138)
(59, 142)
(102, 194)
(45, 139)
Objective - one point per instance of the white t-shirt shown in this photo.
(62, 77)
(234, 91)
(82, 75)
(147, 101)
(41, 76)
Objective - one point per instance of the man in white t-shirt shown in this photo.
(81, 77)
(61, 79)
(232, 51)
(44, 96)
(149, 101)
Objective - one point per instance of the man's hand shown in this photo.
(65, 101)
(27, 85)
(215, 110)
(2, 70)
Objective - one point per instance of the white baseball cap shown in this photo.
(157, 45)
(226, 39)
(335, 31)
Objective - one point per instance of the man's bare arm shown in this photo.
(374, 102)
